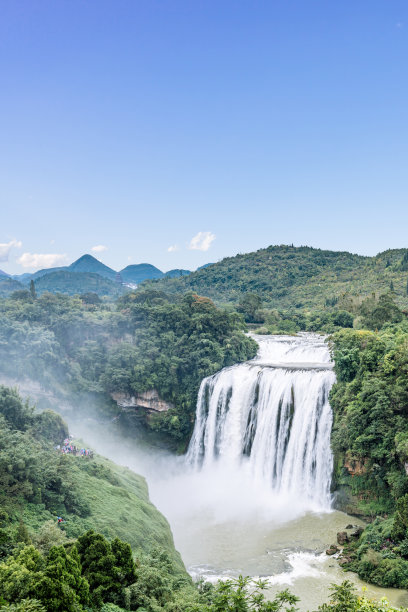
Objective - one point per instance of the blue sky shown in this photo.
(137, 126)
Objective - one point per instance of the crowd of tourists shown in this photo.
(68, 448)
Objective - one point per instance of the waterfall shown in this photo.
(270, 418)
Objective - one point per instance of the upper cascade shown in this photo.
(270, 419)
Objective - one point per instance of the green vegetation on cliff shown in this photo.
(370, 441)
(370, 405)
(82, 346)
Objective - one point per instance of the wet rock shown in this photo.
(344, 561)
(357, 532)
(342, 538)
(332, 550)
(148, 400)
(349, 526)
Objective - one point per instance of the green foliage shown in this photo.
(99, 567)
(18, 414)
(369, 402)
(243, 594)
(287, 277)
(25, 605)
(400, 527)
(375, 313)
(72, 283)
(370, 438)
(81, 346)
(343, 598)
(250, 305)
(62, 587)
(175, 346)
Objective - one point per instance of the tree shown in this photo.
(20, 573)
(62, 587)
(245, 594)
(343, 599)
(19, 414)
(250, 305)
(376, 313)
(51, 426)
(400, 526)
(99, 567)
(22, 534)
(32, 290)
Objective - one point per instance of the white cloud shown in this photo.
(173, 248)
(201, 241)
(41, 260)
(6, 247)
(99, 248)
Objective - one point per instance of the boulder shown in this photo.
(342, 538)
(357, 532)
(344, 561)
(332, 550)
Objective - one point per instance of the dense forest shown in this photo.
(295, 278)
(81, 347)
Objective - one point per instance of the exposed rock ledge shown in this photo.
(148, 400)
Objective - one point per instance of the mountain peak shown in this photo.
(89, 263)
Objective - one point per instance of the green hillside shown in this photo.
(8, 286)
(88, 263)
(177, 272)
(140, 272)
(38, 483)
(287, 277)
(72, 283)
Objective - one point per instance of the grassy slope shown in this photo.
(302, 277)
(120, 506)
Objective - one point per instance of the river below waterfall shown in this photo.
(252, 496)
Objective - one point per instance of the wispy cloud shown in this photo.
(6, 247)
(173, 248)
(41, 260)
(201, 241)
(99, 248)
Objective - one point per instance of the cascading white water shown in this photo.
(270, 419)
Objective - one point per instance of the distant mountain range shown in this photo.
(86, 274)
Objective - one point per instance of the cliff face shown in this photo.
(147, 400)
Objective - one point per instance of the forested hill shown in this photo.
(298, 277)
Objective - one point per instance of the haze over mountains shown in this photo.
(86, 274)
